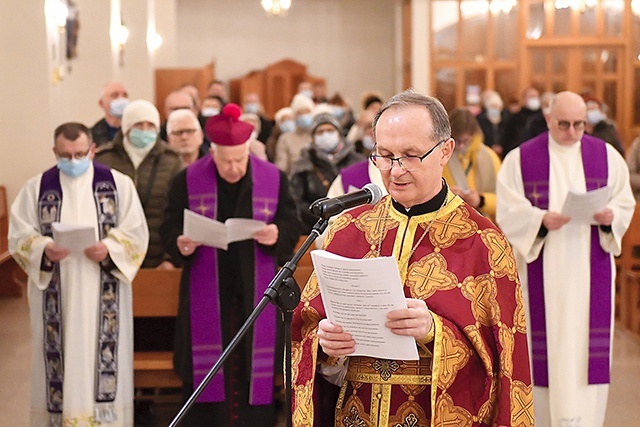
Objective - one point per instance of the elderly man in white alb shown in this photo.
(80, 298)
(566, 264)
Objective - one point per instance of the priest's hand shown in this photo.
(554, 220)
(54, 252)
(186, 246)
(334, 341)
(414, 321)
(604, 217)
(97, 252)
(267, 236)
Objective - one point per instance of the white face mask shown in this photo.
(533, 104)
(594, 117)
(367, 142)
(327, 141)
(210, 112)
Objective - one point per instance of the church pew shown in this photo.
(11, 275)
(155, 294)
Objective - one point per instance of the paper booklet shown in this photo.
(581, 207)
(357, 295)
(211, 232)
(76, 238)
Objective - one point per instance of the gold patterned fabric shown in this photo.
(474, 372)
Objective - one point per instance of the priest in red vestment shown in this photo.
(464, 299)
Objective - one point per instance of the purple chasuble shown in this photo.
(535, 175)
(356, 175)
(206, 333)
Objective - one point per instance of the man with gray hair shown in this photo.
(463, 299)
(185, 135)
(220, 286)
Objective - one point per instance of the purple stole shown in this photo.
(49, 210)
(206, 333)
(535, 163)
(356, 175)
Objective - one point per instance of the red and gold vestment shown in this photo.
(474, 366)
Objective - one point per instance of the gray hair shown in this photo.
(179, 115)
(441, 126)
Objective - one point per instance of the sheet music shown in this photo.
(357, 295)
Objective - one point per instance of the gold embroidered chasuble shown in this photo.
(473, 368)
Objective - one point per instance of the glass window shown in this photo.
(538, 61)
(588, 21)
(505, 27)
(535, 26)
(613, 10)
(609, 58)
(446, 87)
(589, 61)
(559, 60)
(444, 26)
(474, 21)
(506, 85)
(562, 22)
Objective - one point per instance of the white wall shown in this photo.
(349, 42)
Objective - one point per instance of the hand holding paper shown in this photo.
(581, 207)
(76, 238)
(214, 233)
(357, 295)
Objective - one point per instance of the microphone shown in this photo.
(325, 208)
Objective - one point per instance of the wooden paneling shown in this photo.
(170, 79)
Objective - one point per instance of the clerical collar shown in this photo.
(429, 206)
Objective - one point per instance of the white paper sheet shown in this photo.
(357, 295)
(211, 232)
(581, 207)
(76, 238)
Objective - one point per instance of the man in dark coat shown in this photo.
(221, 286)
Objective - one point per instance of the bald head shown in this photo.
(178, 100)
(567, 115)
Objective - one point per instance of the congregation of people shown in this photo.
(510, 302)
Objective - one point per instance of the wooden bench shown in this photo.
(155, 294)
(11, 275)
(628, 280)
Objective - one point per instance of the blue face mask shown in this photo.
(252, 107)
(304, 121)
(74, 167)
(288, 126)
(117, 106)
(142, 138)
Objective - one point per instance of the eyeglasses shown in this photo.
(181, 132)
(407, 163)
(77, 156)
(565, 124)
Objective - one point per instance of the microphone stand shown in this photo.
(284, 292)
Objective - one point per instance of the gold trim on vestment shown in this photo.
(395, 379)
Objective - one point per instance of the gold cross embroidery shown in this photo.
(202, 208)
